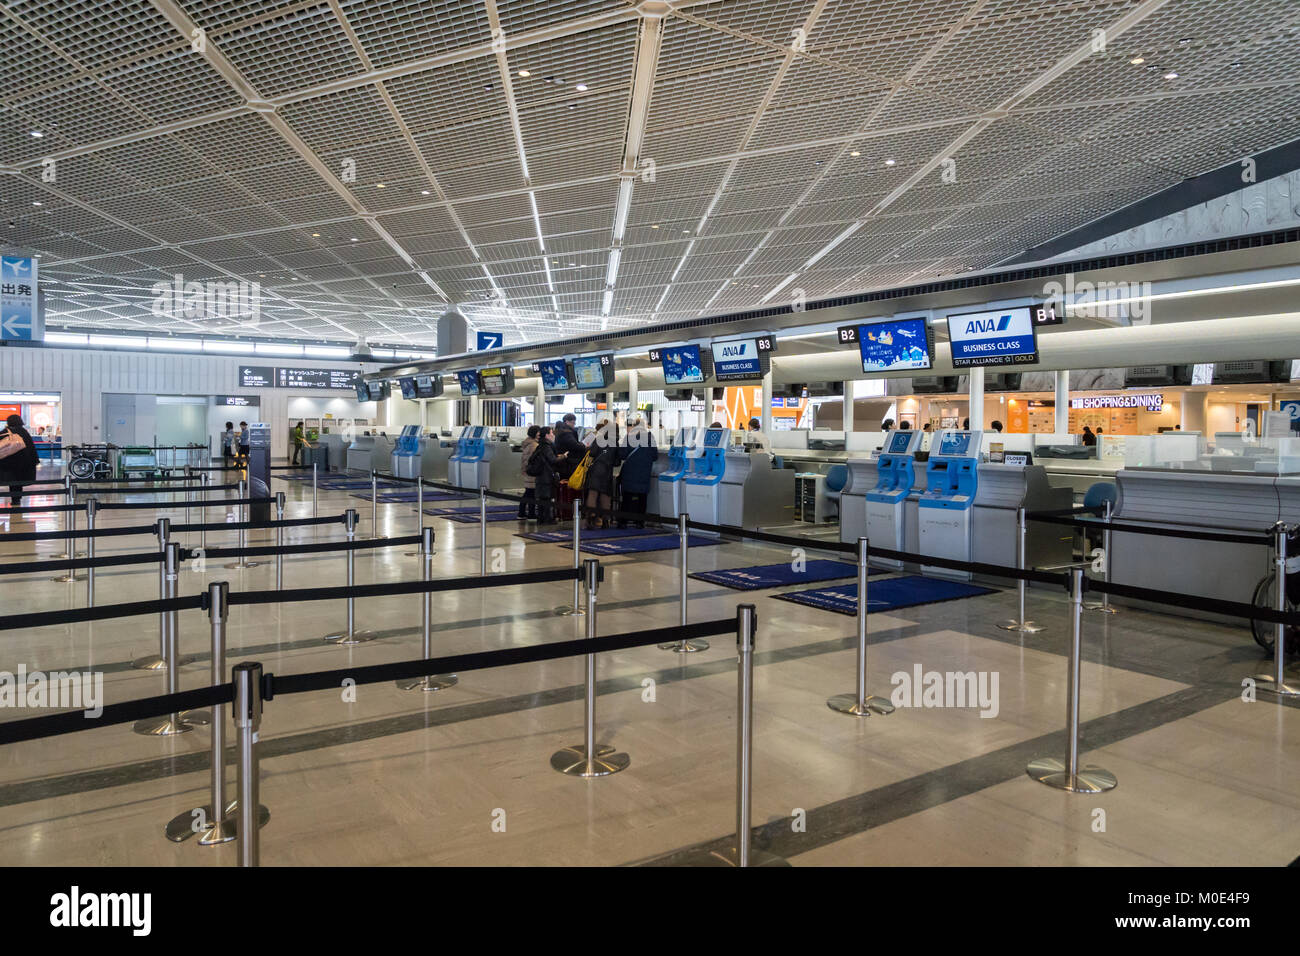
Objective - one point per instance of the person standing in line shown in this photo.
(528, 504)
(228, 443)
(245, 443)
(19, 465)
(567, 443)
(638, 454)
(997, 427)
(599, 486)
(545, 463)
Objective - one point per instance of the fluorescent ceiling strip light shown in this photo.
(167, 342)
(784, 282)
(537, 220)
(663, 298)
(272, 349)
(242, 348)
(611, 271)
(65, 338)
(550, 282)
(125, 341)
(621, 208)
(676, 272)
(327, 352)
(608, 302)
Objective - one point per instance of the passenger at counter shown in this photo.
(755, 436)
(887, 425)
(245, 440)
(926, 427)
(545, 462)
(997, 427)
(1089, 439)
(20, 465)
(717, 425)
(638, 454)
(567, 443)
(528, 504)
(598, 489)
(299, 442)
(228, 442)
(905, 426)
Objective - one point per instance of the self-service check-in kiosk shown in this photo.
(469, 466)
(734, 487)
(944, 511)
(406, 453)
(671, 500)
(702, 490)
(895, 477)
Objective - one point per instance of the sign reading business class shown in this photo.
(999, 337)
(737, 360)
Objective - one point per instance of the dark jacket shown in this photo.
(20, 466)
(566, 439)
(600, 476)
(638, 463)
(548, 480)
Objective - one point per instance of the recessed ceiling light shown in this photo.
(581, 87)
(1171, 75)
(856, 152)
(38, 203)
(37, 133)
(1138, 60)
(524, 73)
(424, 192)
(352, 240)
(889, 162)
(654, 225)
(686, 232)
(315, 235)
(379, 185)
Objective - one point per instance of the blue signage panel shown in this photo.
(895, 345)
(468, 382)
(490, 340)
(682, 365)
(736, 360)
(19, 317)
(1000, 337)
(555, 374)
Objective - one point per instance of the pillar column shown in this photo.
(1062, 382)
(976, 414)
(765, 416)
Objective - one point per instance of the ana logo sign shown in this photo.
(988, 325)
(996, 337)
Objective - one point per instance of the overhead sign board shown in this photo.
(1151, 401)
(490, 340)
(998, 337)
(256, 376)
(234, 401)
(737, 360)
(20, 318)
(338, 378)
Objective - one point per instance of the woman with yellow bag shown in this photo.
(598, 474)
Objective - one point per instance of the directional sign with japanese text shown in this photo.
(19, 315)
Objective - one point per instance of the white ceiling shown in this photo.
(228, 162)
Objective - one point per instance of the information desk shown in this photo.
(1189, 501)
(736, 488)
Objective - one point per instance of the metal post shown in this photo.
(859, 704)
(248, 720)
(576, 608)
(242, 514)
(351, 635)
(279, 540)
(188, 492)
(482, 532)
(1020, 625)
(434, 681)
(1276, 683)
(419, 516)
(374, 504)
(683, 538)
(313, 487)
(69, 526)
(68, 499)
(92, 505)
(587, 759)
(1104, 604)
(174, 723)
(203, 492)
(1067, 774)
(154, 662)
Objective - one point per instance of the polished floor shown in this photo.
(462, 776)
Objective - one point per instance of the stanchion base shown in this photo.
(731, 857)
(68, 578)
(573, 761)
(240, 565)
(1051, 771)
(1269, 685)
(155, 663)
(199, 718)
(346, 640)
(686, 647)
(162, 726)
(435, 682)
(1022, 627)
(567, 611)
(1104, 608)
(848, 704)
(181, 827)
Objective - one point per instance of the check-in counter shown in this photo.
(1002, 491)
(1210, 501)
(506, 474)
(338, 450)
(433, 463)
(370, 452)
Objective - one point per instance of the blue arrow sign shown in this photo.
(19, 316)
(490, 340)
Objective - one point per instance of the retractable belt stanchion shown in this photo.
(1104, 604)
(313, 488)
(1020, 625)
(577, 563)
(172, 724)
(587, 759)
(279, 540)
(433, 681)
(69, 526)
(154, 662)
(242, 514)
(374, 504)
(351, 635)
(859, 704)
(419, 516)
(1067, 774)
(247, 678)
(92, 505)
(1276, 683)
(482, 531)
(203, 532)
(695, 643)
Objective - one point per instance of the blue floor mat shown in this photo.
(888, 595)
(472, 510)
(473, 519)
(565, 536)
(781, 575)
(654, 542)
(408, 497)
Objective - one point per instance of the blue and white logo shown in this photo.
(19, 314)
(737, 359)
(490, 340)
(1000, 337)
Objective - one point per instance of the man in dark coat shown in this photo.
(568, 444)
(638, 453)
(21, 465)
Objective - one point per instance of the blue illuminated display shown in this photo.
(893, 346)
(555, 374)
(682, 365)
(468, 382)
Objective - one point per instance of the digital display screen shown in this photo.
(682, 365)
(363, 392)
(408, 388)
(496, 381)
(555, 375)
(954, 443)
(893, 346)
(999, 337)
(593, 371)
(737, 359)
(468, 382)
(898, 443)
(713, 437)
(428, 386)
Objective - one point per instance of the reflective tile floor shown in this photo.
(462, 776)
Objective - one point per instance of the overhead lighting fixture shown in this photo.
(37, 133)
(353, 239)
(654, 225)
(856, 152)
(608, 302)
(581, 87)
(1171, 75)
(1138, 60)
(322, 351)
(315, 235)
(37, 203)
(211, 345)
(424, 192)
(379, 185)
(889, 162)
(611, 271)
(524, 73)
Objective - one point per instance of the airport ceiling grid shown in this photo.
(563, 167)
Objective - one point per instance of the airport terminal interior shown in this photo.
(825, 433)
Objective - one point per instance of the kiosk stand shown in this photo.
(406, 453)
(705, 497)
(896, 475)
(469, 466)
(944, 511)
(683, 448)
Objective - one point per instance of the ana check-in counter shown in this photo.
(433, 459)
(370, 452)
(1249, 504)
(337, 451)
(736, 488)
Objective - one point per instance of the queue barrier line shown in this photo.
(253, 525)
(102, 612)
(175, 529)
(83, 564)
(56, 725)
(1048, 518)
(146, 481)
(317, 548)
(1213, 605)
(175, 505)
(46, 509)
(82, 490)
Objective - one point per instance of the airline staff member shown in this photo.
(755, 436)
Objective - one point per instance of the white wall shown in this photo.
(82, 376)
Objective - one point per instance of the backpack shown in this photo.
(533, 467)
(579, 476)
